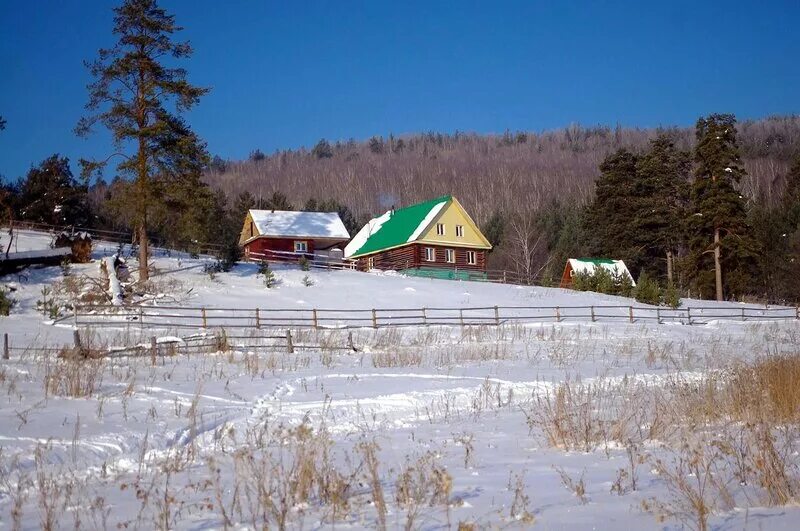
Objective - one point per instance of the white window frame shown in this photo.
(459, 231)
(300, 246)
(472, 258)
(371, 263)
(450, 256)
(430, 254)
(440, 230)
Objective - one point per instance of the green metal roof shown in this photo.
(596, 260)
(400, 226)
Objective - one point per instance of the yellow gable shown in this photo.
(249, 229)
(448, 221)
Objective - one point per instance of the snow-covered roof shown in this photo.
(280, 223)
(588, 265)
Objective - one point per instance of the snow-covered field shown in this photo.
(570, 425)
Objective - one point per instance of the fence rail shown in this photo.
(182, 317)
(313, 260)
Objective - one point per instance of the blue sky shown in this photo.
(285, 74)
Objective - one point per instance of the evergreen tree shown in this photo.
(662, 194)
(134, 86)
(278, 201)
(2, 123)
(50, 194)
(322, 150)
(493, 229)
(722, 250)
(609, 219)
(257, 155)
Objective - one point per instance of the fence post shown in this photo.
(314, 317)
(689, 314)
(258, 318)
(797, 312)
(591, 308)
(424, 317)
(504, 276)
(6, 354)
(289, 344)
(153, 350)
(205, 322)
(496, 316)
(658, 315)
(374, 319)
(461, 316)
(630, 313)
(558, 314)
(743, 314)
(141, 317)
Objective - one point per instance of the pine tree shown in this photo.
(720, 241)
(133, 90)
(322, 150)
(2, 123)
(50, 194)
(662, 190)
(609, 218)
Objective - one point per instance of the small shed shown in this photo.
(589, 265)
(287, 235)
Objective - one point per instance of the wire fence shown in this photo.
(183, 317)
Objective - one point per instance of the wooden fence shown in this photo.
(313, 261)
(181, 317)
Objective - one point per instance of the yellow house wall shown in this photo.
(451, 216)
(246, 234)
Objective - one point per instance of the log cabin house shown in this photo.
(575, 266)
(286, 235)
(436, 238)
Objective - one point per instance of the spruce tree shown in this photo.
(50, 194)
(662, 190)
(136, 94)
(609, 218)
(2, 123)
(722, 250)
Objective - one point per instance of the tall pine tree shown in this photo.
(135, 95)
(609, 218)
(662, 190)
(722, 251)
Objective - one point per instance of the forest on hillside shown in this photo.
(509, 173)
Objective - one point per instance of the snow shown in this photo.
(299, 224)
(415, 391)
(373, 226)
(618, 266)
(429, 217)
(114, 286)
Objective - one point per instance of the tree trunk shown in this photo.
(717, 264)
(669, 266)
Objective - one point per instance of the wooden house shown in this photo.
(436, 238)
(287, 235)
(575, 266)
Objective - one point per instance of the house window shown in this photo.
(370, 263)
(300, 247)
(252, 229)
(440, 229)
(459, 231)
(430, 254)
(471, 258)
(450, 254)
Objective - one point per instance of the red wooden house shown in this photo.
(288, 235)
